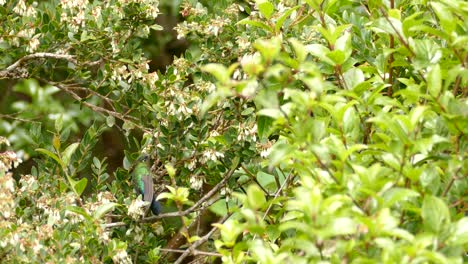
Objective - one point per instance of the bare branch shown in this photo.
(112, 225)
(12, 71)
(101, 109)
(198, 204)
(196, 252)
(200, 241)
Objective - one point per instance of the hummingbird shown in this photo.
(143, 183)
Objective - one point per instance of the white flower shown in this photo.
(121, 256)
(196, 182)
(20, 8)
(137, 208)
(211, 154)
(33, 44)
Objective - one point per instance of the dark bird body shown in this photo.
(143, 183)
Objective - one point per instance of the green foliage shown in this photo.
(320, 131)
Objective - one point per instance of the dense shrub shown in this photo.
(289, 131)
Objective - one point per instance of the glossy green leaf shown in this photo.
(435, 214)
(434, 80)
(68, 152)
(51, 155)
(266, 8)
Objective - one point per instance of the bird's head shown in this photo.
(143, 157)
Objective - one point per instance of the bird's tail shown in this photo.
(156, 206)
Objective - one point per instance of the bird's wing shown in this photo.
(148, 190)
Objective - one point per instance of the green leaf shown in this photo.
(104, 209)
(396, 195)
(320, 52)
(460, 232)
(110, 121)
(265, 7)
(51, 155)
(269, 48)
(283, 17)
(435, 214)
(266, 180)
(256, 197)
(79, 211)
(353, 77)
(299, 49)
(264, 125)
(156, 27)
(341, 226)
(337, 56)
(255, 23)
(271, 112)
(59, 123)
(219, 71)
(382, 25)
(445, 16)
(343, 44)
(434, 81)
(68, 152)
(170, 170)
(220, 207)
(78, 186)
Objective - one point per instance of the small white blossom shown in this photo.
(20, 8)
(196, 182)
(96, 12)
(137, 208)
(33, 44)
(211, 154)
(121, 256)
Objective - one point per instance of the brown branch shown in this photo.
(12, 70)
(196, 252)
(112, 225)
(198, 204)
(400, 37)
(200, 241)
(254, 178)
(101, 109)
(450, 184)
(109, 101)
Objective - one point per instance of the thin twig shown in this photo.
(112, 225)
(101, 109)
(200, 241)
(254, 178)
(277, 193)
(196, 252)
(196, 206)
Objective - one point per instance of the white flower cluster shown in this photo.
(23, 10)
(212, 28)
(137, 208)
(133, 73)
(9, 160)
(211, 154)
(152, 10)
(120, 256)
(246, 133)
(265, 148)
(7, 199)
(77, 10)
(196, 182)
(28, 184)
